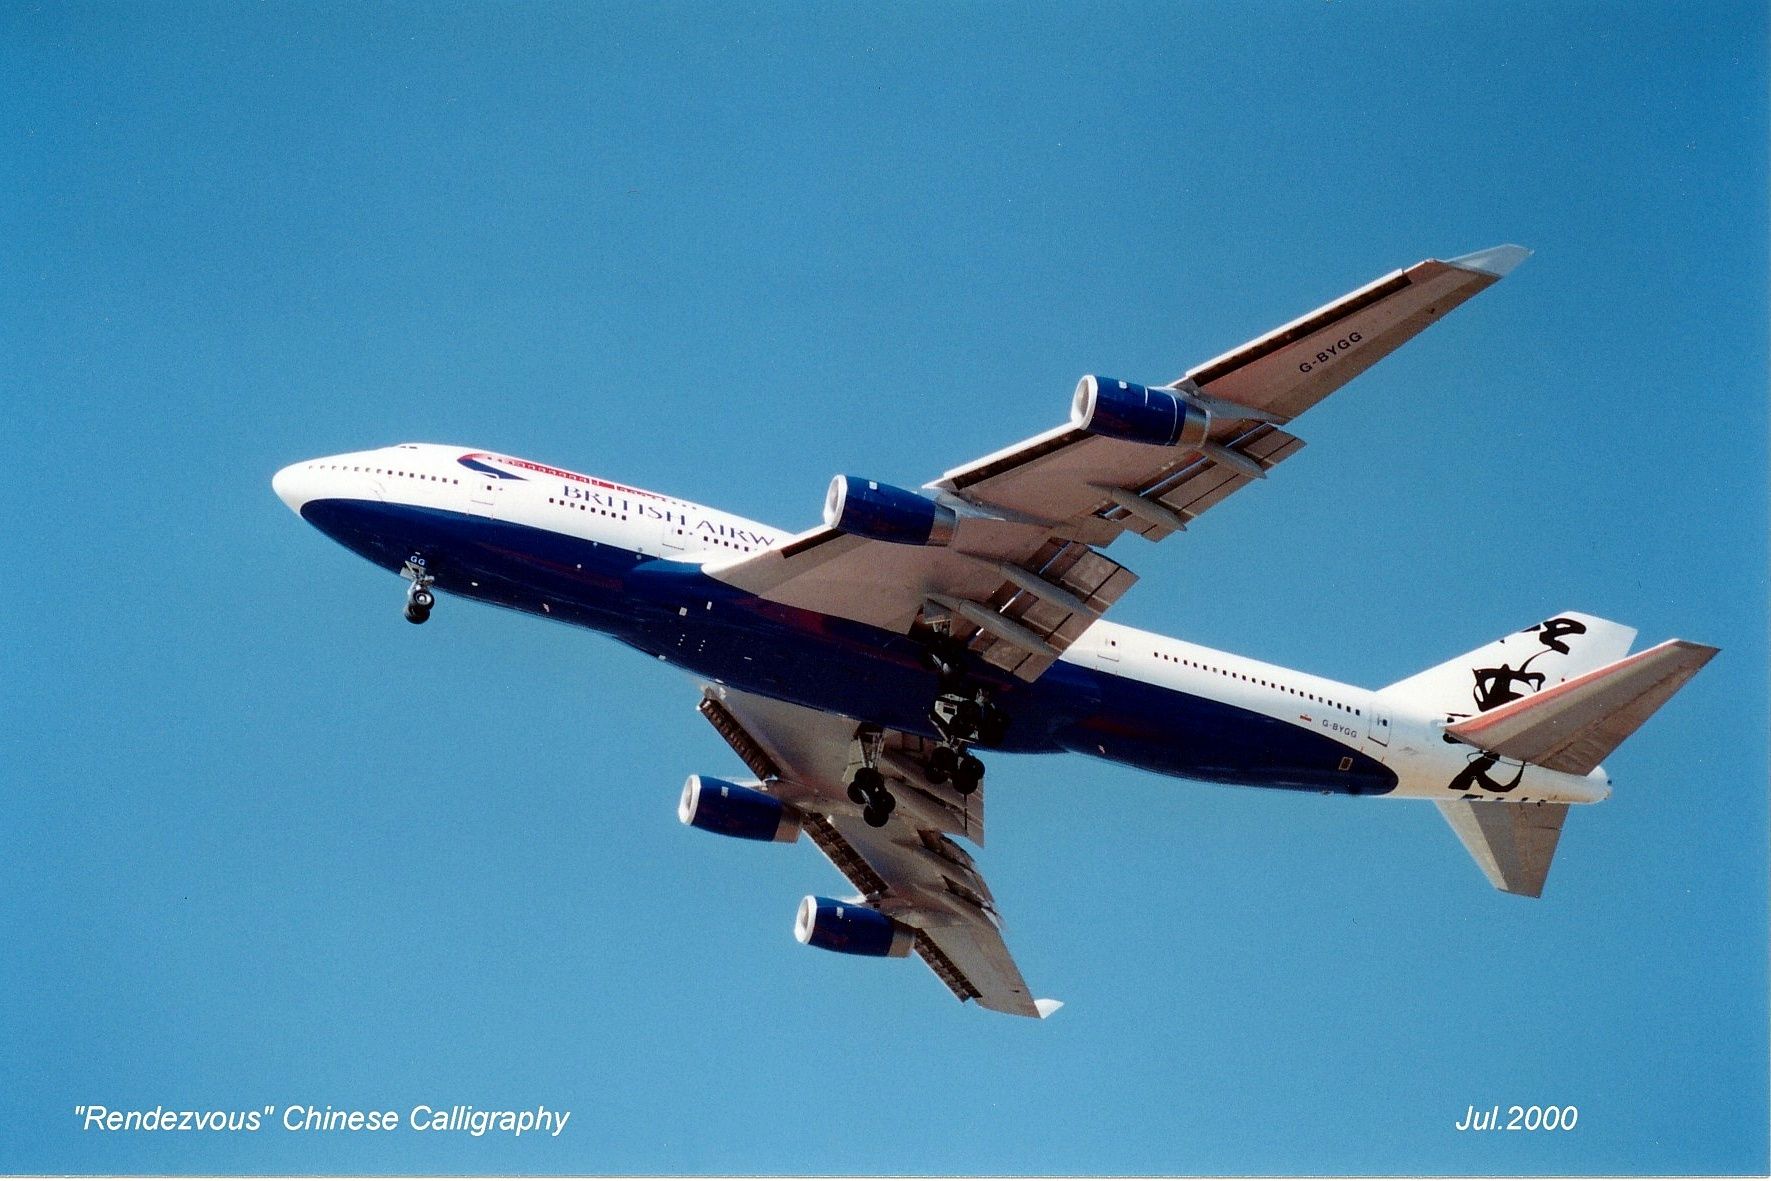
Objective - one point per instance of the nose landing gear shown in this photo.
(419, 597)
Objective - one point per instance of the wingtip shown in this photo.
(1701, 654)
(1047, 1007)
(1498, 261)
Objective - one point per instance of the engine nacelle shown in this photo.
(880, 512)
(851, 928)
(733, 810)
(1138, 414)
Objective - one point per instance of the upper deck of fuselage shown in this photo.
(435, 478)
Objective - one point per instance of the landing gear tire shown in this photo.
(419, 599)
(968, 774)
(867, 785)
(868, 789)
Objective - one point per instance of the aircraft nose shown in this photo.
(290, 486)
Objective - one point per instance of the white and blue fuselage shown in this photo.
(629, 563)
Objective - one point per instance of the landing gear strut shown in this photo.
(419, 597)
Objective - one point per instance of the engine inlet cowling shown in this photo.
(1139, 414)
(880, 512)
(733, 810)
(851, 928)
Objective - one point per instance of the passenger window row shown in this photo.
(719, 541)
(381, 471)
(1258, 681)
(582, 506)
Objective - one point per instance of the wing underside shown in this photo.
(911, 869)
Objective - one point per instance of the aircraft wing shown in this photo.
(910, 869)
(1019, 575)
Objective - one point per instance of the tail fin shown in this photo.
(1568, 724)
(1572, 726)
(1541, 657)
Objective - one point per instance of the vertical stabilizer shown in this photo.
(1542, 656)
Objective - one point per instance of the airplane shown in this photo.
(858, 668)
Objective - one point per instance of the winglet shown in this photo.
(1047, 1008)
(1496, 260)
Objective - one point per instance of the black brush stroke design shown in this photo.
(1497, 686)
(1475, 775)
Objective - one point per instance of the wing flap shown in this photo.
(1196, 486)
(1573, 726)
(1055, 596)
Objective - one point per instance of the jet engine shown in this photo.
(851, 928)
(1139, 414)
(733, 810)
(880, 512)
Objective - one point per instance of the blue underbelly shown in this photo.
(672, 610)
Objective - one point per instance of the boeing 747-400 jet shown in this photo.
(858, 669)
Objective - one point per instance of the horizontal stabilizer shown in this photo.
(1572, 726)
(1513, 843)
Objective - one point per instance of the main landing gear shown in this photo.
(419, 597)
(962, 715)
(868, 787)
(965, 770)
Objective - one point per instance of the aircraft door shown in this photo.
(673, 537)
(482, 495)
(1377, 722)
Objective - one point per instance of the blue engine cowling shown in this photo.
(851, 928)
(733, 810)
(1138, 414)
(867, 508)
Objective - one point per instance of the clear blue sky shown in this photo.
(262, 842)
